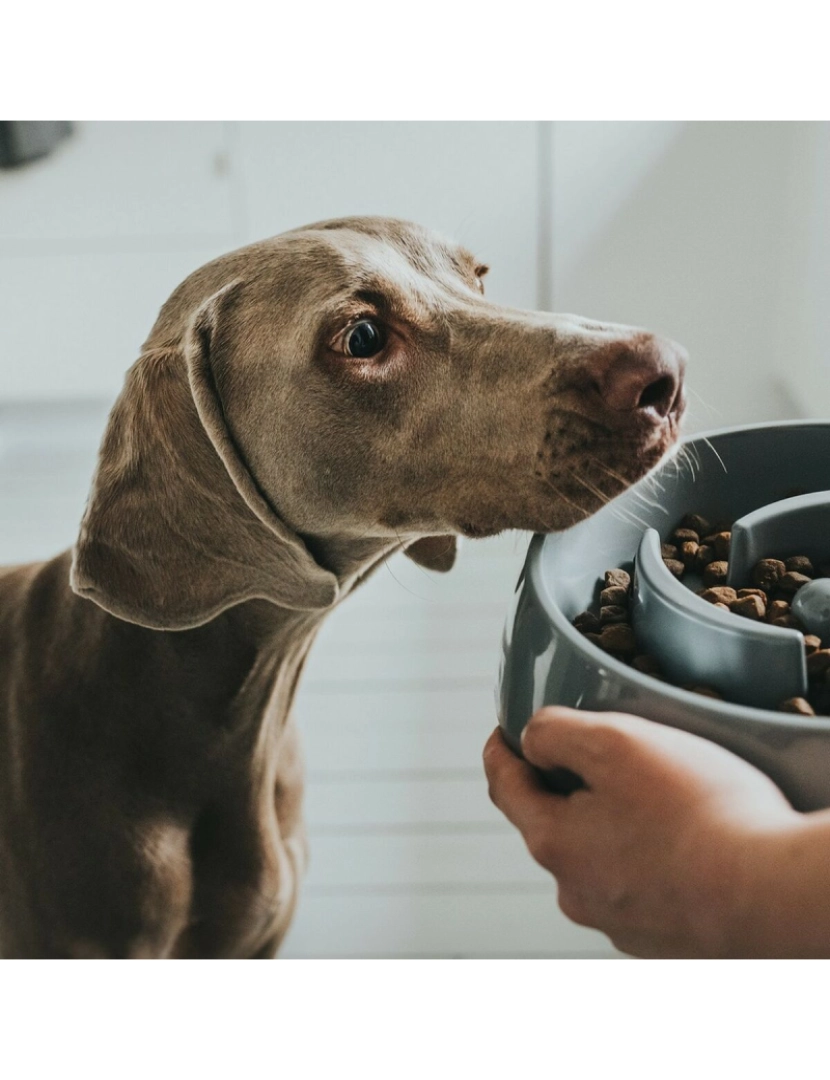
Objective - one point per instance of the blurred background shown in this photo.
(717, 234)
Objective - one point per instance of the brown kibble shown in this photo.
(721, 544)
(790, 583)
(647, 664)
(750, 607)
(705, 555)
(617, 579)
(800, 564)
(618, 639)
(766, 573)
(688, 553)
(587, 623)
(818, 664)
(776, 609)
(723, 607)
(592, 637)
(668, 551)
(715, 573)
(704, 691)
(684, 536)
(696, 523)
(754, 592)
(797, 705)
(675, 567)
(719, 594)
(787, 622)
(812, 643)
(615, 595)
(613, 613)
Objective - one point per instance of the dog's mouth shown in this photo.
(570, 486)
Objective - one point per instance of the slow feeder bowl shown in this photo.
(747, 475)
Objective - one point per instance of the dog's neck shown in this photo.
(277, 639)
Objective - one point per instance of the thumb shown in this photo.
(615, 750)
(587, 743)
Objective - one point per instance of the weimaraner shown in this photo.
(303, 408)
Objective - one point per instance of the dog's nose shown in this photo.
(642, 376)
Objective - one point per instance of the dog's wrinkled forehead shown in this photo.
(323, 261)
(382, 254)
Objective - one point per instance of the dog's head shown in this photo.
(348, 387)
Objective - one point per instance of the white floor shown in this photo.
(409, 858)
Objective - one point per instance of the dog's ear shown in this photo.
(434, 552)
(176, 530)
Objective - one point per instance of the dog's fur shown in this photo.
(251, 475)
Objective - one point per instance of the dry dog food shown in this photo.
(697, 546)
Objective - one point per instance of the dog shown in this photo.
(303, 408)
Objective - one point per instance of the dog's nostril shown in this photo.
(641, 377)
(659, 395)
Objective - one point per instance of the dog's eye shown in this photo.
(364, 340)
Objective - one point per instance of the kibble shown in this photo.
(619, 578)
(705, 555)
(696, 523)
(587, 623)
(688, 553)
(719, 594)
(613, 614)
(818, 664)
(618, 639)
(791, 582)
(615, 595)
(715, 573)
(720, 542)
(750, 607)
(766, 573)
(776, 609)
(797, 705)
(701, 548)
(800, 564)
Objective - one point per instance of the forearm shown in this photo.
(786, 884)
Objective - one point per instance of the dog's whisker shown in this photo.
(565, 498)
(604, 499)
(706, 405)
(717, 455)
(605, 468)
(404, 587)
(417, 565)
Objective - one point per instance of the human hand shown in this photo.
(664, 849)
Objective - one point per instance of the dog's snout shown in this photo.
(644, 376)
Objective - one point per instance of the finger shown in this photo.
(589, 744)
(517, 790)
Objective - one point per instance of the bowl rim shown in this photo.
(728, 710)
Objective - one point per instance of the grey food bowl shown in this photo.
(727, 475)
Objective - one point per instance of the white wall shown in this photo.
(685, 228)
(802, 341)
(680, 227)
